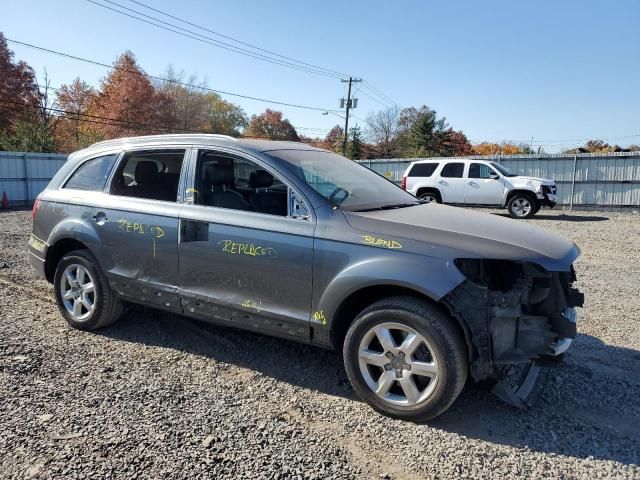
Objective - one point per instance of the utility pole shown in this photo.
(348, 107)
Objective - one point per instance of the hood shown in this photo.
(524, 179)
(470, 234)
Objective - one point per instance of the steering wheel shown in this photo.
(334, 195)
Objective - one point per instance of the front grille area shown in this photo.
(549, 189)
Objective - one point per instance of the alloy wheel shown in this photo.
(78, 292)
(397, 364)
(521, 207)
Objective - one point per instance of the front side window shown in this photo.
(92, 174)
(423, 169)
(149, 174)
(480, 170)
(343, 182)
(452, 170)
(226, 181)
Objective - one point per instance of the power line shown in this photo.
(235, 39)
(155, 77)
(208, 40)
(302, 66)
(382, 95)
(120, 122)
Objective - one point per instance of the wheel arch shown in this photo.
(69, 236)
(360, 299)
(521, 191)
(435, 190)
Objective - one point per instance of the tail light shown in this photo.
(36, 207)
(403, 183)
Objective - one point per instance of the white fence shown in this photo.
(588, 180)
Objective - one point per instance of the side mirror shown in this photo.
(494, 176)
(297, 207)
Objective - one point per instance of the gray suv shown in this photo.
(289, 240)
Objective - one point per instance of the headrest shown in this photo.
(218, 174)
(146, 171)
(260, 179)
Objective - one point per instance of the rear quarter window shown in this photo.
(452, 170)
(92, 174)
(423, 169)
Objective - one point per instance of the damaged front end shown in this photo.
(519, 319)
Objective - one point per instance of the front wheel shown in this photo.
(522, 205)
(405, 358)
(83, 294)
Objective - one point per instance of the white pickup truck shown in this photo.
(478, 182)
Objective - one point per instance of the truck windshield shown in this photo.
(345, 183)
(502, 170)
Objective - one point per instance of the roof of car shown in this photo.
(256, 145)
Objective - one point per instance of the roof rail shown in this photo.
(181, 136)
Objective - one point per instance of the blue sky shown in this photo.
(560, 71)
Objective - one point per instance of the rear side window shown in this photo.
(92, 174)
(423, 169)
(152, 174)
(480, 170)
(452, 170)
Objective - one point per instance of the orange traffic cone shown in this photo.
(5, 200)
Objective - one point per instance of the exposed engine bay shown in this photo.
(519, 319)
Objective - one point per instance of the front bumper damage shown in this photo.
(547, 196)
(518, 318)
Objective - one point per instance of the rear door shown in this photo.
(484, 186)
(244, 259)
(138, 226)
(452, 182)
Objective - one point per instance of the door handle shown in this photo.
(442, 182)
(100, 218)
(473, 183)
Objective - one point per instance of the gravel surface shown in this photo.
(158, 395)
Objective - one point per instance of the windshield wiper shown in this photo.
(389, 207)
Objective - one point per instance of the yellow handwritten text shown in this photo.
(235, 248)
(141, 228)
(319, 317)
(250, 304)
(380, 242)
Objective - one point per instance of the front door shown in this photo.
(484, 186)
(451, 182)
(244, 259)
(138, 227)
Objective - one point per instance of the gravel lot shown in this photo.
(158, 395)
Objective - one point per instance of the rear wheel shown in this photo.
(522, 205)
(83, 294)
(405, 358)
(430, 197)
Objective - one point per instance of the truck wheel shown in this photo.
(83, 294)
(405, 358)
(429, 197)
(522, 205)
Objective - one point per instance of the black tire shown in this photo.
(107, 307)
(537, 208)
(446, 345)
(431, 196)
(518, 201)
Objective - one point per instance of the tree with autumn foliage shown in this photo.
(270, 124)
(74, 100)
(19, 96)
(127, 103)
(333, 140)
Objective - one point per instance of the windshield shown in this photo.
(502, 170)
(343, 182)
